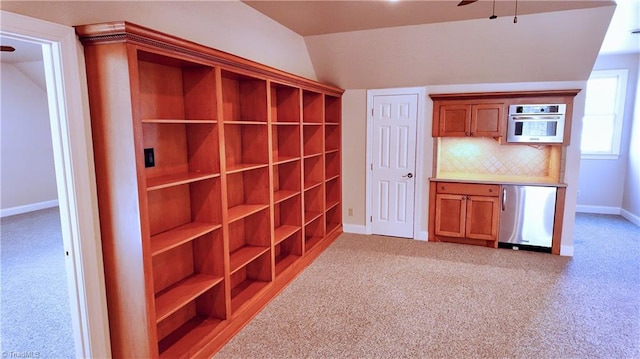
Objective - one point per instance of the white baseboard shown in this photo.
(566, 251)
(354, 228)
(360, 229)
(598, 209)
(630, 217)
(422, 236)
(5, 212)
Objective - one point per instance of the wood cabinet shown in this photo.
(484, 114)
(464, 213)
(468, 118)
(219, 180)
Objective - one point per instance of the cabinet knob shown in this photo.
(444, 187)
(490, 190)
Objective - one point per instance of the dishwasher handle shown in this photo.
(504, 198)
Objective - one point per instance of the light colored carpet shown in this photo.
(382, 297)
(36, 318)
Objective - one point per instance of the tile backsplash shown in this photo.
(486, 156)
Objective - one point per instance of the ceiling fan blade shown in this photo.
(7, 48)
(466, 2)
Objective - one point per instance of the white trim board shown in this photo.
(354, 228)
(630, 217)
(610, 210)
(12, 211)
(598, 209)
(566, 251)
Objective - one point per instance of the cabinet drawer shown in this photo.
(468, 188)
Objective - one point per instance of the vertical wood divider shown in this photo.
(323, 186)
(223, 193)
(271, 179)
(134, 83)
(301, 169)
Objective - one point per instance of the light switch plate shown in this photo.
(149, 158)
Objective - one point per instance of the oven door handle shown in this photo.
(535, 117)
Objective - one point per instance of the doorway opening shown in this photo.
(33, 264)
(75, 180)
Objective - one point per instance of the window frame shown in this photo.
(621, 94)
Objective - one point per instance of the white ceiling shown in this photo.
(326, 16)
(430, 42)
(319, 17)
(25, 51)
(619, 39)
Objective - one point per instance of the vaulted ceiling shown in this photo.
(318, 17)
(375, 44)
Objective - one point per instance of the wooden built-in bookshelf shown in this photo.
(219, 180)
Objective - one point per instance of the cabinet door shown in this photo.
(450, 215)
(482, 217)
(454, 121)
(487, 119)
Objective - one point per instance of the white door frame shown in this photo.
(75, 177)
(419, 175)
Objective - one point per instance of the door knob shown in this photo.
(409, 175)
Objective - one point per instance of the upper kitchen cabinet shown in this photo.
(484, 114)
(464, 118)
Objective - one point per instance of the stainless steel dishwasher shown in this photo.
(526, 218)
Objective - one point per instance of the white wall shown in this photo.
(229, 26)
(604, 184)
(354, 155)
(27, 174)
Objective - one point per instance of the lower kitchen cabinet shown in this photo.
(464, 213)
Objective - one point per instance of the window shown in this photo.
(603, 114)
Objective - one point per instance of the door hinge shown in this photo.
(371, 219)
(372, 112)
(371, 166)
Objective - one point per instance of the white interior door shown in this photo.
(393, 164)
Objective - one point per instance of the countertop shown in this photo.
(497, 179)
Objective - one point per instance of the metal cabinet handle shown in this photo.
(504, 198)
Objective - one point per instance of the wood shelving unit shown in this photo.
(287, 239)
(312, 140)
(313, 172)
(285, 104)
(219, 180)
(286, 142)
(286, 180)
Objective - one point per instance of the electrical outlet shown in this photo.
(350, 210)
(149, 158)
